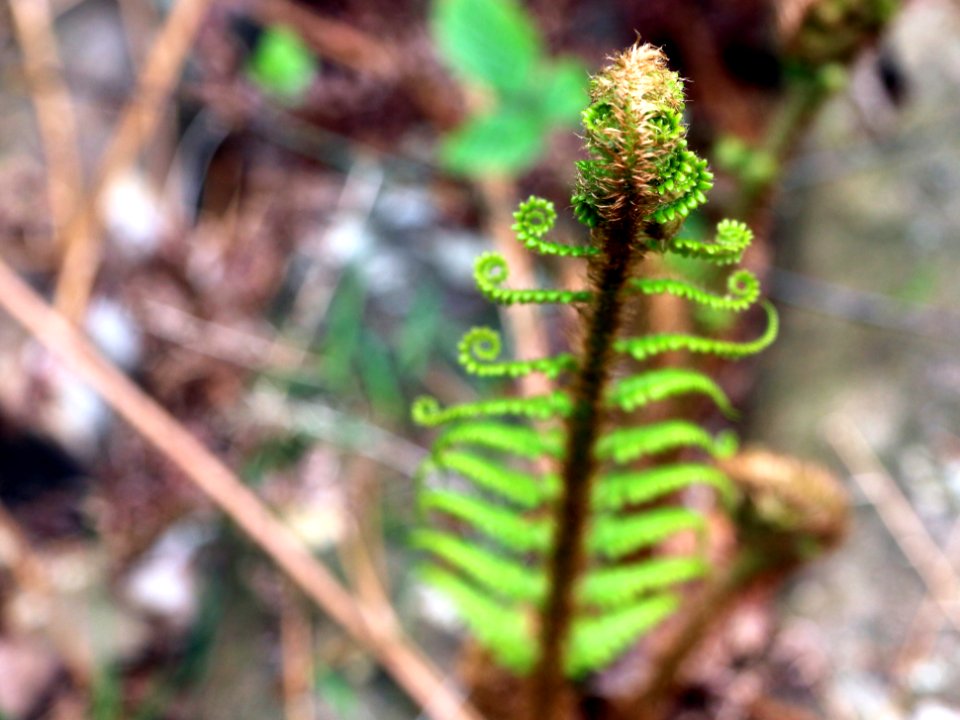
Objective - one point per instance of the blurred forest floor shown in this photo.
(284, 273)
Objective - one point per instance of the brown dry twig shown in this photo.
(239, 347)
(296, 647)
(929, 561)
(361, 546)
(33, 20)
(384, 640)
(921, 636)
(83, 237)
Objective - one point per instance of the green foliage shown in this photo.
(495, 46)
(282, 64)
(508, 139)
(493, 42)
(752, 165)
(336, 692)
(496, 480)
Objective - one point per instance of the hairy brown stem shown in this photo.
(568, 555)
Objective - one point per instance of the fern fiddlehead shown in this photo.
(560, 575)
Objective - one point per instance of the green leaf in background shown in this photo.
(565, 91)
(341, 341)
(379, 377)
(921, 285)
(507, 141)
(282, 63)
(489, 41)
(336, 692)
(416, 338)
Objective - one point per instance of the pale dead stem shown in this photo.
(364, 557)
(927, 620)
(296, 649)
(33, 20)
(83, 236)
(138, 19)
(244, 348)
(930, 562)
(378, 634)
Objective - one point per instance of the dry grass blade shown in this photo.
(83, 238)
(384, 640)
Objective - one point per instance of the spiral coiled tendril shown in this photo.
(743, 289)
(668, 125)
(481, 346)
(535, 217)
(733, 237)
(491, 271)
(685, 180)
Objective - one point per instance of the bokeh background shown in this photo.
(265, 213)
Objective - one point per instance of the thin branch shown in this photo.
(138, 19)
(361, 547)
(927, 621)
(56, 120)
(83, 237)
(348, 432)
(385, 641)
(856, 306)
(239, 347)
(296, 648)
(929, 561)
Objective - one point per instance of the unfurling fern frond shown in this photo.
(547, 530)
(480, 348)
(534, 219)
(491, 272)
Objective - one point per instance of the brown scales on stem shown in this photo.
(584, 426)
(635, 89)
